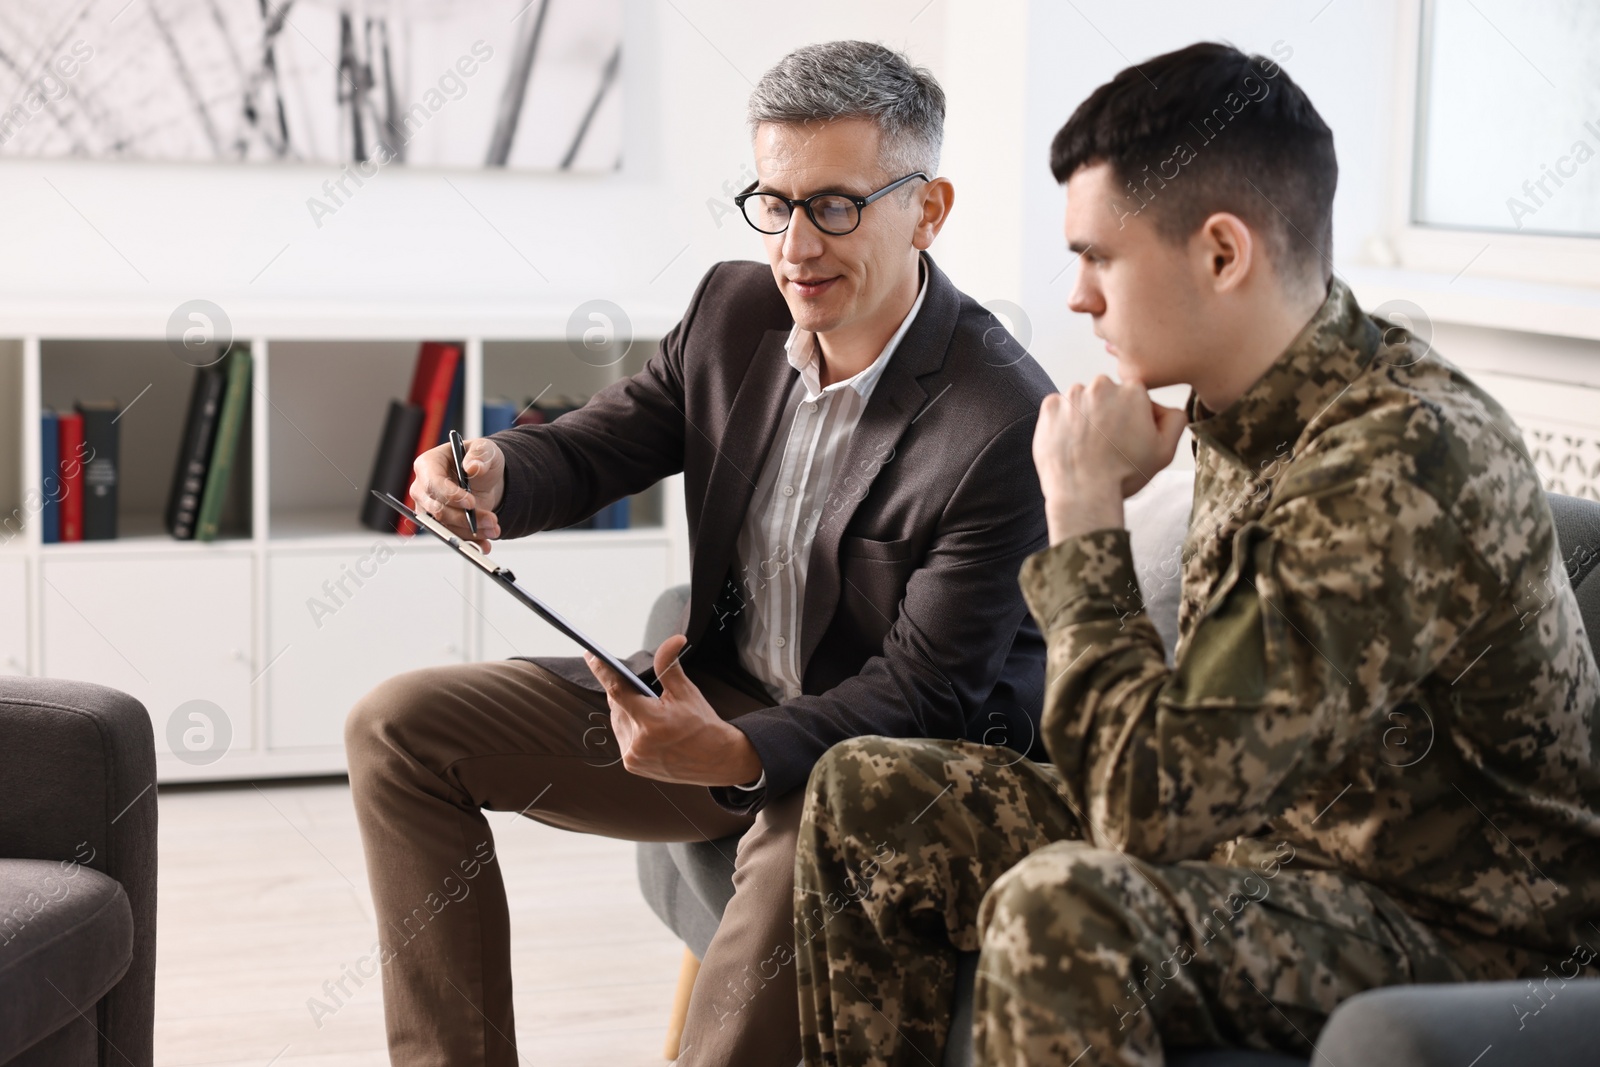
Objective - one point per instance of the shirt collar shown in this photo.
(802, 352)
(1335, 346)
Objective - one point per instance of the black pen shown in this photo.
(458, 453)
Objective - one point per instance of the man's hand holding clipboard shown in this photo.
(673, 736)
(678, 736)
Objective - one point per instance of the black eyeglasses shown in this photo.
(832, 213)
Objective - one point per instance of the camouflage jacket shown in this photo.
(1380, 659)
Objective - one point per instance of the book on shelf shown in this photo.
(613, 516)
(194, 451)
(69, 445)
(100, 468)
(454, 409)
(391, 469)
(230, 424)
(499, 413)
(431, 385)
(424, 419)
(49, 477)
(540, 411)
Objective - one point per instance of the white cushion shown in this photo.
(1158, 518)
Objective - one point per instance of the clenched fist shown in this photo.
(1096, 445)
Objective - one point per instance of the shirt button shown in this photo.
(811, 405)
(780, 641)
(788, 490)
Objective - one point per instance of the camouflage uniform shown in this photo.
(1373, 763)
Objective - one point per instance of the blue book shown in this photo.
(613, 516)
(498, 414)
(49, 478)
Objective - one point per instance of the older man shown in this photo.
(854, 437)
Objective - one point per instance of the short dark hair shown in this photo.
(1208, 128)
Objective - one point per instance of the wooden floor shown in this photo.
(263, 898)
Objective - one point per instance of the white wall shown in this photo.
(1339, 53)
(145, 237)
(153, 235)
(150, 236)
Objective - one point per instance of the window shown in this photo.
(1507, 136)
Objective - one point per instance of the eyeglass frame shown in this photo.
(860, 202)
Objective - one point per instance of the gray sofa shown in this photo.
(688, 885)
(77, 876)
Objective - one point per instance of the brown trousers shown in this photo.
(428, 750)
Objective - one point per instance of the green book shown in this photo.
(230, 421)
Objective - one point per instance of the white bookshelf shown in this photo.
(232, 622)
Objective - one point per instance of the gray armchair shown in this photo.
(77, 876)
(688, 885)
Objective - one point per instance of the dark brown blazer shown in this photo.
(913, 624)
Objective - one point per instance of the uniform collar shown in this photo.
(1334, 347)
(802, 350)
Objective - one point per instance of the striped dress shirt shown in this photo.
(774, 542)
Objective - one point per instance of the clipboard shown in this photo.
(508, 581)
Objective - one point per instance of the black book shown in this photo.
(391, 470)
(100, 472)
(194, 452)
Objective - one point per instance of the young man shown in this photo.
(854, 438)
(1221, 851)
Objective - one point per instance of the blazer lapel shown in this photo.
(751, 426)
(893, 407)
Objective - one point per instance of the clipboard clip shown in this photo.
(469, 549)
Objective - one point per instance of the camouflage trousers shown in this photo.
(913, 850)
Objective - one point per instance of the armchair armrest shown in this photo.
(1551, 1022)
(77, 782)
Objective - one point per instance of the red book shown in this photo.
(70, 442)
(430, 390)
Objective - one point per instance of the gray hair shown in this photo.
(858, 79)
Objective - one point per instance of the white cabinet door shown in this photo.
(342, 620)
(13, 616)
(167, 630)
(605, 589)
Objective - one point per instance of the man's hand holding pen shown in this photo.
(434, 488)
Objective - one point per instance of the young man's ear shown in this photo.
(1227, 250)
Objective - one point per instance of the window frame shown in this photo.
(1450, 250)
